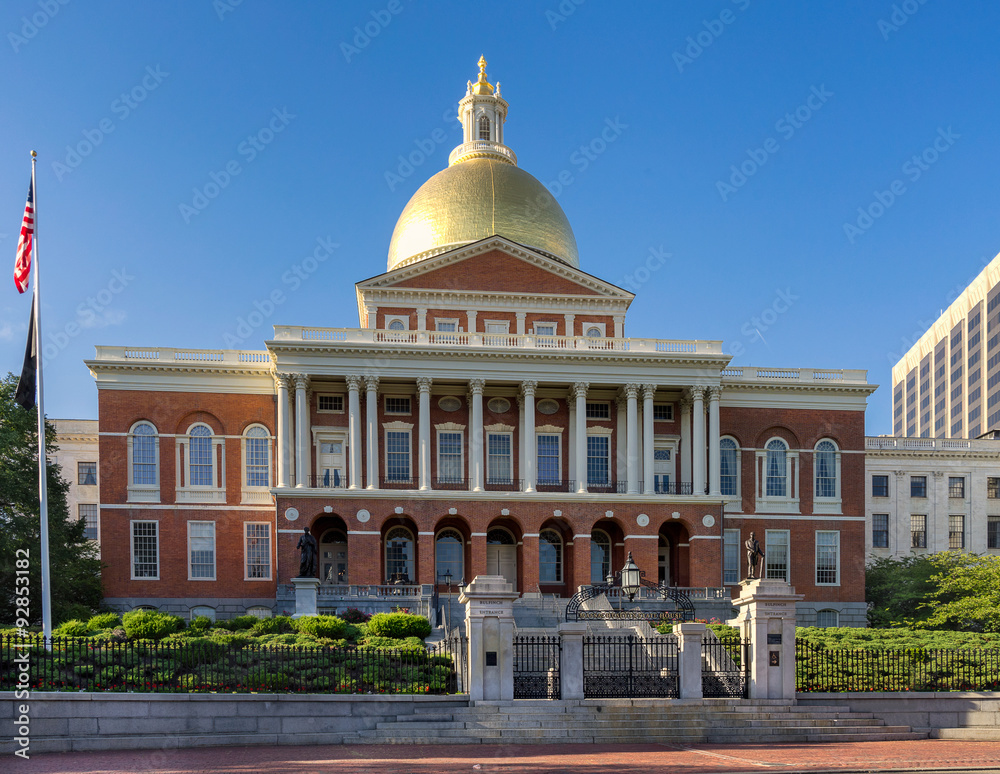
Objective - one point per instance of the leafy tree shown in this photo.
(966, 596)
(896, 588)
(74, 567)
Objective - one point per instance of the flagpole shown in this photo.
(43, 486)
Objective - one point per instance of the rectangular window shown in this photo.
(956, 532)
(397, 405)
(776, 554)
(731, 556)
(145, 550)
(258, 551)
(827, 558)
(597, 460)
(598, 411)
(86, 473)
(333, 404)
(918, 486)
(397, 455)
(201, 548)
(545, 329)
(447, 326)
(880, 486)
(993, 531)
(88, 515)
(956, 486)
(663, 412)
(993, 487)
(450, 457)
(498, 460)
(880, 530)
(549, 469)
(918, 531)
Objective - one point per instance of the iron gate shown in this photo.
(725, 668)
(536, 667)
(629, 666)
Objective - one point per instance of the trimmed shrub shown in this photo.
(150, 624)
(104, 621)
(354, 616)
(200, 624)
(327, 626)
(239, 623)
(399, 626)
(279, 624)
(74, 611)
(71, 628)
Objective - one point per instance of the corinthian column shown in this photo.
(714, 450)
(476, 387)
(371, 429)
(580, 393)
(698, 440)
(424, 435)
(648, 390)
(354, 424)
(302, 455)
(283, 382)
(632, 437)
(528, 439)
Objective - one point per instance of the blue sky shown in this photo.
(748, 135)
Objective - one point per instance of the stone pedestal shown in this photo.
(306, 591)
(571, 666)
(767, 617)
(489, 618)
(689, 637)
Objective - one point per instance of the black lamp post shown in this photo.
(631, 578)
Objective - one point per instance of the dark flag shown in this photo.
(25, 395)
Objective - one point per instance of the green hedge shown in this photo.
(399, 625)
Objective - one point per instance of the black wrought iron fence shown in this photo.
(536, 667)
(627, 666)
(907, 669)
(177, 667)
(725, 668)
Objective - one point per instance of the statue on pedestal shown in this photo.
(754, 555)
(310, 548)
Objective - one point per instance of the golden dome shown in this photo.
(476, 199)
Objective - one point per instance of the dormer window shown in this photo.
(484, 128)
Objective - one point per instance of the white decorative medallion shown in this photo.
(642, 520)
(450, 403)
(505, 512)
(452, 511)
(399, 509)
(363, 515)
(609, 514)
(557, 513)
(499, 405)
(291, 514)
(708, 520)
(327, 509)
(547, 406)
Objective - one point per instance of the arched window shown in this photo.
(826, 618)
(260, 611)
(448, 555)
(600, 556)
(399, 556)
(333, 557)
(200, 462)
(484, 128)
(203, 610)
(776, 472)
(825, 469)
(729, 469)
(594, 333)
(396, 325)
(144, 467)
(549, 557)
(257, 456)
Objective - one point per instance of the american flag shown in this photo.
(22, 266)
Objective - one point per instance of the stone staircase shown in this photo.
(722, 721)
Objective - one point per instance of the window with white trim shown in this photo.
(86, 474)
(956, 487)
(88, 515)
(880, 530)
(397, 404)
(777, 489)
(549, 557)
(201, 550)
(729, 467)
(397, 322)
(204, 455)
(499, 469)
(776, 554)
(201, 466)
(448, 555)
(549, 462)
(918, 530)
(257, 551)
(956, 532)
(144, 464)
(730, 556)
(598, 467)
(397, 456)
(330, 404)
(260, 611)
(593, 332)
(826, 477)
(827, 558)
(776, 469)
(450, 461)
(145, 550)
(257, 457)
(663, 412)
(484, 128)
(545, 329)
(446, 326)
(598, 410)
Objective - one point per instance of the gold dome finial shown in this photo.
(482, 86)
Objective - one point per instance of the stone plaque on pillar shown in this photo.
(306, 591)
(489, 618)
(767, 617)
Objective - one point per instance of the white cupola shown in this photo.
(482, 112)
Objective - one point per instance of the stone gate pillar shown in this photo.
(767, 617)
(489, 619)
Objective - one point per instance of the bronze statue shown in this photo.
(309, 548)
(754, 555)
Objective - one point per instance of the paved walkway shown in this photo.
(922, 755)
